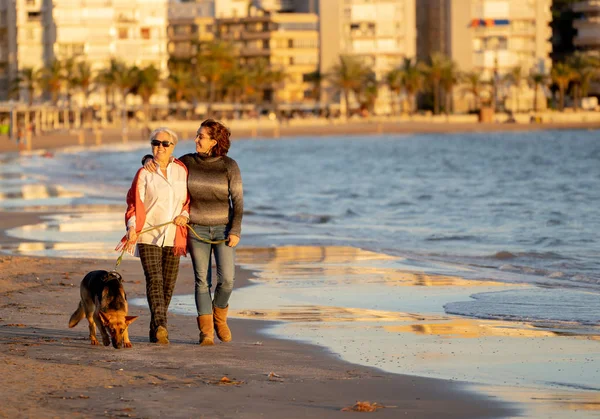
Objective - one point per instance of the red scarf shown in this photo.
(135, 206)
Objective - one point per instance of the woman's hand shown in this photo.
(233, 240)
(131, 235)
(131, 239)
(151, 165)
(180, 220)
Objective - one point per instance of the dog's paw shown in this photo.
(94, 341)
(106, 342)
(127, 344)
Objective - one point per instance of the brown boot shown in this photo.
(220, 315)
(205, 324)
(162, 335)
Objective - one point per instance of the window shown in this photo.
(145, 33)
(290, 43)
(34, 15)
(123, 33)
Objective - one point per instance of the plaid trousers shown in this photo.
(161, 267)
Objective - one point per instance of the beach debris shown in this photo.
(257, 343)
(225, 381)
(274, 377)
(365, 407)
(15, 325)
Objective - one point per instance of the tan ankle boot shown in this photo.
(205, 324)
(220, 316)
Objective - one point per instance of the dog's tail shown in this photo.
(77, 316)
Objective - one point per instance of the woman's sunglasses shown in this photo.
(156, 143)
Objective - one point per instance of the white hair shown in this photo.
(169, 132)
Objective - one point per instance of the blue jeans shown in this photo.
(200, 253)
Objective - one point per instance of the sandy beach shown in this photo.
(52, 371)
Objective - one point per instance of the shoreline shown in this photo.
(39, 294)
(267, 129)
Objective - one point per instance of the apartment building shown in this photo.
(38, 31)
(288, 41)
(22, 39)
(190, 24)
(588, 25)
(490, 37)
(380, 32)
(588, 32)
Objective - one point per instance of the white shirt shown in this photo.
(163, 199)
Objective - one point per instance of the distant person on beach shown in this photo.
(159, 197)
(216, 208)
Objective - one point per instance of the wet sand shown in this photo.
(66, 138)
(49, 370)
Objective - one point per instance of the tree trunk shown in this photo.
(436, 98)
(561, 96)
(535, 98)
(347, 99)
(576, 97)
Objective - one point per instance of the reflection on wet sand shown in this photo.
(313, 313)
(341, 264)
(38, 191)
(471, 328)
(549, 368)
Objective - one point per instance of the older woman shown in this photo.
(216, 208)
(157, 198)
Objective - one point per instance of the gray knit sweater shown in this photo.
(216, 193)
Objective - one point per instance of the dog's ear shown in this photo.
(130, 319)
(105, 319)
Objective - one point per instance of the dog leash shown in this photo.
(120, 258)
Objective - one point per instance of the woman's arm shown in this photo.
(236, 194)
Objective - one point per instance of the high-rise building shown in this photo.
(380, 32)
(190, 23)
(588, 33)
(22, 39)
(588, 26)
(37, 32)
(490, 37)
(287, 41)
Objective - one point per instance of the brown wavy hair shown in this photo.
(220, 133)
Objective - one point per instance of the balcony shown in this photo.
(587, 6)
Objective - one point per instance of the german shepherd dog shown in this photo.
(104, 303)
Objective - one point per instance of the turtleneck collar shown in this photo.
(207, 157)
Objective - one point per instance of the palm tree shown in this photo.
(316, 80)
(214, 59)
(27, 80)
(515, 77)
(537, 80)
(434, 72)
(147, 83)
(51, 79)
(449, 79)
(474, 86)
(82, 79)
(180, 85)
(562, 74)
(367, 93)
(584, 70)
(125, 80)
(348, 75)
(412, 82)
(393, 79)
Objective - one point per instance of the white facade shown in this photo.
(134, 31)
(35, 32)
(380, 32)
